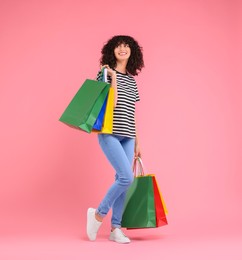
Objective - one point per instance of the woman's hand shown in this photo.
(137, 151)
(111, 72)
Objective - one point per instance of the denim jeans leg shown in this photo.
(117, 209)
(115, 153)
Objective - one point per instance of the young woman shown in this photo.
(123, 58)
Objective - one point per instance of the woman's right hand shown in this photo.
(111, 72)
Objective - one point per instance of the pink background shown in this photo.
(189, 123)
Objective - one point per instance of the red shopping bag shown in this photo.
(159, 207)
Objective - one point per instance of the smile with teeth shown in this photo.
(122, 53)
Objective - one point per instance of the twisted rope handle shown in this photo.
(138, 167)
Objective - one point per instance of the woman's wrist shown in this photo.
(136, 140)
(114, 80)
(113, 74)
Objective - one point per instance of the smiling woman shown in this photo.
(123, 43)
(123, 58)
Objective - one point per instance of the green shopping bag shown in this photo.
(144, 206)
(139, 208)
(84, 108)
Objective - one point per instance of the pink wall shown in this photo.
(189, 119)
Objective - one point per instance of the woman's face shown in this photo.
(122, 52)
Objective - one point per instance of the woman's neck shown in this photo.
(121, 67)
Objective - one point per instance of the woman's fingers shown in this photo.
(109, 70)
(105, 66)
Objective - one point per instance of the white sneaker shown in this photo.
(118, 236)
(92, 224)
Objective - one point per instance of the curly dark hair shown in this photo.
(135, 62)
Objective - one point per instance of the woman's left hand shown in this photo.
(137, 151)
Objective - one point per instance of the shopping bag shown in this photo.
(139, 208)
(162, 199)
(104, 122)
(84, 108)
(107, 127)
(143, 206)
(159, 207)
(138, 170)
(99, 121)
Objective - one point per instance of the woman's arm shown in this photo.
(114, 85)
(137, 151)
(112, 74)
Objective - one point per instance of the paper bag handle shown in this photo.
(104, 75)
(138, 164)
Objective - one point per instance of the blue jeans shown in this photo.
(119, 150)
